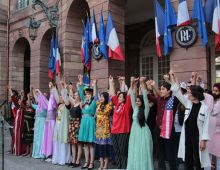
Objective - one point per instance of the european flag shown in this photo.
(209, 10)
(198, 13)
(86, 45)
(103, 47)
(169, 21)
(52, 59)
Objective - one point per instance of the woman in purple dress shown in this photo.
(47, 144)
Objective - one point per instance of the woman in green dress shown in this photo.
(140, 150)
(87, 125)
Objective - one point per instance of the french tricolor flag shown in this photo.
(216, 25)
(115, 51)
(57, 56)
(159, 25)
(94, 29)
(183, 14)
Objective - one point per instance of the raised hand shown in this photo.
(110, 79)
(142, 79)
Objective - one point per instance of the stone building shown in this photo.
(24, 62)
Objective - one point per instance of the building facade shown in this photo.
(24, 62)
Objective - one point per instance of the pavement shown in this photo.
(23, 163)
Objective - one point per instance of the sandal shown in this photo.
(92, 166)
(85, 166)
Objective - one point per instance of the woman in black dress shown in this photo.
(75, 117)
(28, 132)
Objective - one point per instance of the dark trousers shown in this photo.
(120, 146)
(192, 153)
(165, 151)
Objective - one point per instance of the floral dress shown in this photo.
(103, 141)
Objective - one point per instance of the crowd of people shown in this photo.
(131, 127)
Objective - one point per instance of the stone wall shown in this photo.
(3, 50)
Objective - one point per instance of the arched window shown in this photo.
(150, 65)
(21, 4)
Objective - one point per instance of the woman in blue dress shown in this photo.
(140, 150)
(40, 117)
(87, 125)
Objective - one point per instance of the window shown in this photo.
(21, 4)
(150, 65)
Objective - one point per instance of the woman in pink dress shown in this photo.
(214, 126)
(47, 143)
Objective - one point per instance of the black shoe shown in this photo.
(76, 165)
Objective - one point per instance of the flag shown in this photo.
(88, 28)
(52, 60)
(216, 24)
(94, 29)
(115, 51)
(87, 60)
(86, 77)
(167, 121)
(159, 25)
(103, 47)
(198, 13)
(209, 10)
(183, 14)
(57, 56)
(169, 21)
(82, 48)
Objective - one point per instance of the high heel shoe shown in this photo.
(92, 166)
(85, 166)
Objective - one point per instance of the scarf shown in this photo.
(167, 121)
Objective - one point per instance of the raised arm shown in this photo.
(64, 93)
(80, 87)
(176, 89)
(132, 92)
(144, 93)
(111, 86)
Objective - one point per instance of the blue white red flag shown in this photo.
(159, 25)
(198, 14)
(103, 47)
(57, 56)
(216, 24)
(115, 51)
(183, 14)
(169, 21)
(167, 121)
(94, 29)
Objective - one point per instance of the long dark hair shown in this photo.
(106, 97)
(197, 92)
(141, 116)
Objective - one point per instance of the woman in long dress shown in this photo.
(18, 125)
(40, 117)
(103, 141)
(61, 148)
(47, 143)
(140, 150)
(28, 128)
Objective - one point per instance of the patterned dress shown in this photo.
(103, 141)
(75, 117)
